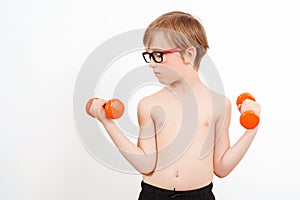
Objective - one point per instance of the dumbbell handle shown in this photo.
(114, 108)
(248, 119)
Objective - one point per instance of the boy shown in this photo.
(183, 136)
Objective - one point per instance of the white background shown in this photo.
(254, 44)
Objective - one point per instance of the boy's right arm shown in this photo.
(226, 156)
(142, 156)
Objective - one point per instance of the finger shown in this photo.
(100, 103)
(98, 108)
(89, 109)
(246, 103)
(251, 105)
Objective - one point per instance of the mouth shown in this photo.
(156, 73)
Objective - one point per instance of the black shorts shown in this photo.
(150, 192)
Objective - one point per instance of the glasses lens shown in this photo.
(146, 57)
(158, 56)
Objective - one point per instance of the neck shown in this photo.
(190, 82)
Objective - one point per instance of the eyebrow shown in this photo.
(153, 49)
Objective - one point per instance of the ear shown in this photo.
(190, 55)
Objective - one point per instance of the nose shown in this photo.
(152, 63)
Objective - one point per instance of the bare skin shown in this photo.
(184, 137)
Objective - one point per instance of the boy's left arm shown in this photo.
(226, 157)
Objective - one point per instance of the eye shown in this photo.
(156, 53)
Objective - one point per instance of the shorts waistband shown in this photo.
(153, 189)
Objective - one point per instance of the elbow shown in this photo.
(147, 171)
(221, 172)
(148, 168)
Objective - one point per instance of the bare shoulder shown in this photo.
(153, 99)
(147, 103)
(221, 103)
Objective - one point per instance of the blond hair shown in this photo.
(180, 29)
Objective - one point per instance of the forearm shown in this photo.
(235, 153)
(140, 160)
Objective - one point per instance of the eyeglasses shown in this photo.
(157, 56)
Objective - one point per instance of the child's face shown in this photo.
(172, 67)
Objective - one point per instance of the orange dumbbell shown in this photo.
(248, 119)
(114, 108)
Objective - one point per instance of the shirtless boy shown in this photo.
(184, 137)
